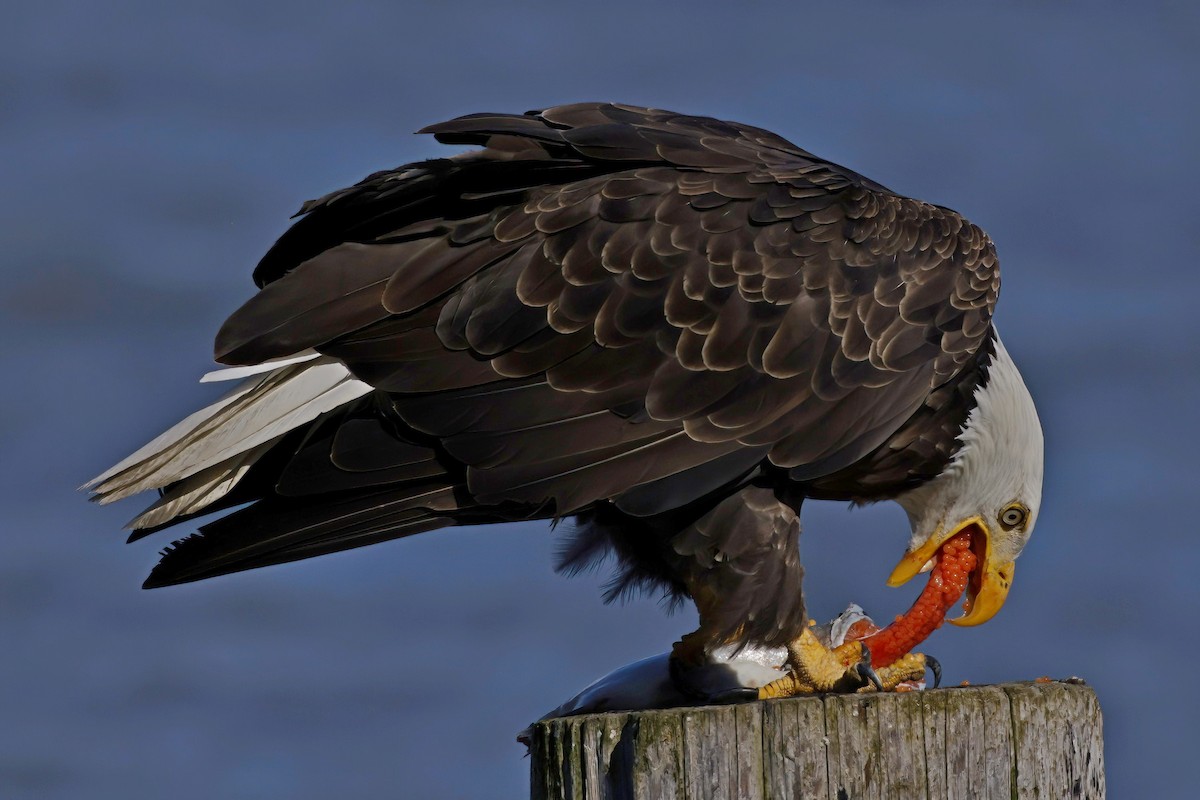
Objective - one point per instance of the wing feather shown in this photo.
(756, 294)
(605, 302)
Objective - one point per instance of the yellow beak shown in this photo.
(989, 583)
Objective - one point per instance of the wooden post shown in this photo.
(1017, 740)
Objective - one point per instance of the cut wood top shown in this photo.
(1039, 740)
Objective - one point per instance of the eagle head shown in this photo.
(992, 487)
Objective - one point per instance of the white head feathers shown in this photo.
(999, 466)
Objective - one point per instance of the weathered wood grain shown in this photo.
(968, 743)
(1058, 740)
(792, 765)
(1035, 740)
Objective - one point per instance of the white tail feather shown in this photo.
(237, 373)
(223, 440)
(171, 436)
(194, 493)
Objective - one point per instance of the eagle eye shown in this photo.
(1013, 516)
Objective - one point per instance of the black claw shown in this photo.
(934, 666)
(867, 673)
(741, 694)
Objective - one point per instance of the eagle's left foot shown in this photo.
(843, 669)
(694, 683)
(691, 672)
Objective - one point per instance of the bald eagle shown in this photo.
(668, 328)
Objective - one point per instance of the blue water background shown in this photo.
(150, 153)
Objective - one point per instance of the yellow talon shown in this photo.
(817, 668)
(787, 686)
(910, 667)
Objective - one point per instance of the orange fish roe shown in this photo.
(947, 582)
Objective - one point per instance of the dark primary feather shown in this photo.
(614, 311)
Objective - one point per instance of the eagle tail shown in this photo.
(314, 452)
(201, 459)
(276, 530)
